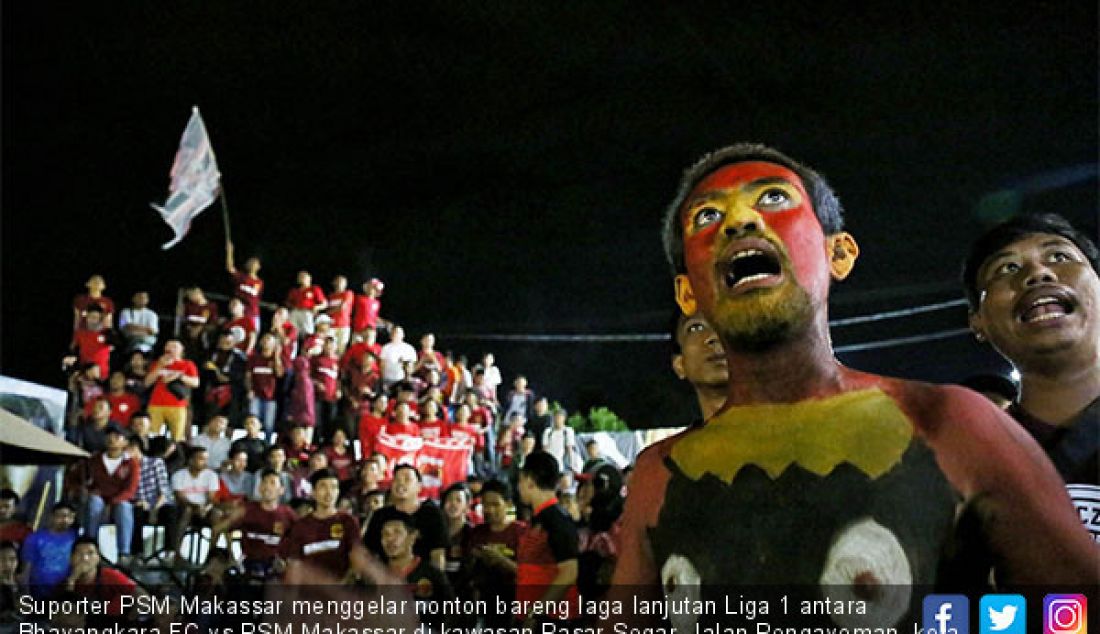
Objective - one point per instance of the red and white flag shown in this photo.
(195, 179)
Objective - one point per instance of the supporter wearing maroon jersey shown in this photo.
(365, 341)
(432, 427)
(247, 285)
(286, 334)
(95, 286)
(304, 301)
(261, 377)
(371, 423)
(361, 381)
(240, 325)
(264, 523)
(491, 550)
(367, 307)
(200, 317)
(326, 537)
(91, 342)
(325, 374)
(339, 454)
(428, 358)
(341, 301)
(172, 378)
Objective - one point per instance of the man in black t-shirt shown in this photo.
(431, 544)
(546, 571)
(426, 583)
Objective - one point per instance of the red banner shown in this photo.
(441, 462)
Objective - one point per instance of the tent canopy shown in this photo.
(23, 443)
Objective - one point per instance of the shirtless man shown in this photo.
(812, 473)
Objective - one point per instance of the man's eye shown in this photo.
(774, 198)
(695, 328)
(706, 216)
(1061, 256)
(1006, 269)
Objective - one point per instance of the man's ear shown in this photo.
(685, 296)
(976, 326)
(678, 366)
(843, 251)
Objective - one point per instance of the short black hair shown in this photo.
(9, 494)
(1011, 231)
(9, 545)
(63, 504)
(84, 539)
(456, 487)
(268, 471)
(500, 487)
(323, 474)
(543, 469)
(399, 516)
(405, 465)
(827, 207)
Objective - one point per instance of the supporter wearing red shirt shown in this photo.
(367, 307)
(428, 358)
(247, 285)
(406, 394)
(95, 286)
(99, 583)
(322, 330)
(12, 529)
(366, 342)
(123, 404)
(263, 524)
(463, 429)
(401, 423)
(304, 301)
(91, 342)
(493, 547)
(168, 377)
(432, 427)
(241, 327)
(326, 537)
(341, 301)
(199, 316)
(371, 423)
(547, 556)
(112, 484)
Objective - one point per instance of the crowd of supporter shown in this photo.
(261, 429)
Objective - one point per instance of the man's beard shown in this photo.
(762, 319)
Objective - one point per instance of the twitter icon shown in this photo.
(1002, 613)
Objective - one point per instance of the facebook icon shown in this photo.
(946, 614)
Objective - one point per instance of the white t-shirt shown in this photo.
(139, 317)
(111, 464)
(560, 444)
(393, 355)
(195, 489)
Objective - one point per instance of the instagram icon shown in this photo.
(1065, 614)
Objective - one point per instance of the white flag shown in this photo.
(195, 179)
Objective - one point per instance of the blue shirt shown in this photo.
(48, 554)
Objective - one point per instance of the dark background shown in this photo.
(503, 166)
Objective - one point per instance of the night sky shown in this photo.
(503, 166)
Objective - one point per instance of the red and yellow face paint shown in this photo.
(745, 202)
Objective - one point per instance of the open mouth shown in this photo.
(1046, 306)
(750, 265)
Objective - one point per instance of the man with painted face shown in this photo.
(875, 471)
(1034, 294)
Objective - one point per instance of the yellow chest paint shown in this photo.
(865, 428)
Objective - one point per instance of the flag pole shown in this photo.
(225, 212)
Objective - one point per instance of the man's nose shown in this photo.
(1038, 273)
(742, 221)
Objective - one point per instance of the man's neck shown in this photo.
(269, 505)
(115, 455)
(324, 513)
(540, 497)
(195, 472)
(794, 370)
(401, 562)
(711, 399)
(500, 526)
(407, 506)
(1059, 394)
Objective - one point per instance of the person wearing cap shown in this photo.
(326, 538)
(304, 301)
(322, 330)
(113, 481)
(367, 308)
(1033, 284)
(341, 301)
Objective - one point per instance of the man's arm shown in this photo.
(229, 266)
(566, 577)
